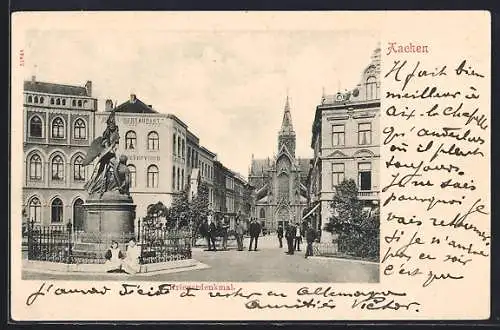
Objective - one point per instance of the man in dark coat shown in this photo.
(280, 235)
(290, 236)
(212, 233)
(254, 234)
(311, 236)
(204, 231)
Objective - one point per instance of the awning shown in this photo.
(310, 212)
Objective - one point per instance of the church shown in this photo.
(280, 182)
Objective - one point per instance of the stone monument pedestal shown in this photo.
(113, 214)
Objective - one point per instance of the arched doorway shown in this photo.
(78, 214)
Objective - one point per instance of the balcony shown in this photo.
(368, 194)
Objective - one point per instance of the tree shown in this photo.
(358, 232)
(155, 215)
(179, 212)
(199, 209)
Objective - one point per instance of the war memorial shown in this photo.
(109, 242)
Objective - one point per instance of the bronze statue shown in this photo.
(110, 174)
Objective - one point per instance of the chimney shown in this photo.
(109, 105)
(33, 78)
(132, 98)
(88, 87)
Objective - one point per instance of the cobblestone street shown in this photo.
(268, 264)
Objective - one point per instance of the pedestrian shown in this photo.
(280, 235)
(311, 236)
(298, 237)
(205, 232)
(254, 234)
(114, 258)
(290, 235)
(239, 231)
(212, 233)
(131, 263)
(224, 230)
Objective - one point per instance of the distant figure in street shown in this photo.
(114, 258)
(212, 234)
(224, 228)
(204, 231)
(131, 262)
(239, 231)
(254, 234)
(290, 235)
(311, 236)
(298, 237)
(280, 235)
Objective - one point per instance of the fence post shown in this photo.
(70, 252)
(138, 229)
(30, 238)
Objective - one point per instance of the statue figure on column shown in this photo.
(110, 173)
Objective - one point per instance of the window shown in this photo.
(79, 103)
(58, 101)
(153, 141)
(192, 158)
(57, 210)
(36, 99)
(52, 100)
(36, 127)
(35, 210)
(174, 145)
(133, 173)
(152, 176)
(364, 133)
(371, 88)
(58, 128)
(338, 135)
(73, 103)
(130, 140)
(179, 154)
(30, 99)
(80, 129)
(63, 101)
(365, 176)
(41, 99)
(35, 171)
(178, 179)
(337, 174)
(262, 213)
(182, 179)
(173, 178)
(183, 149)
(57, 168)
(78, 169)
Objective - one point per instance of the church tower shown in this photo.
(286, 134)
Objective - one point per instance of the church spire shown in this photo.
(286, 125)
(286, 134)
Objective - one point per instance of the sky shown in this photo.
(229, 87)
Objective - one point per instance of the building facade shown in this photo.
(155, 145)
(280, 191)
(346, 144)
(206, 167)
(58, 128)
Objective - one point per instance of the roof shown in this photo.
(51, 88)
(137, 106)
(258, 165)
(208, 152)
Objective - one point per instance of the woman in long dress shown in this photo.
(131, 262)
(113, 258)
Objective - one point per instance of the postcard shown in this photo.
(221, 166)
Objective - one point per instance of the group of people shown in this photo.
(213, 230)
(294, 234)
(117, 262)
